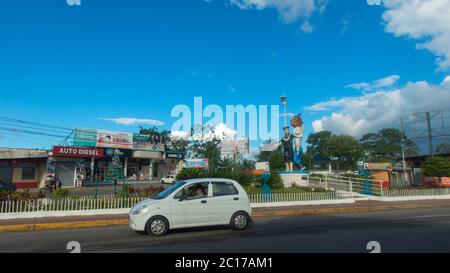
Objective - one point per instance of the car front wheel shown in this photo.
(157, 226)
(239, 221)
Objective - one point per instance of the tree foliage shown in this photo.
(242, 176)
(386, 145)
(209, 149)
(318, 144)
(436, 166)
(443, 148)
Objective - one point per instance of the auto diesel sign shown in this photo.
(77, 152)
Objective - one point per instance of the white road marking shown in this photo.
(429, 216)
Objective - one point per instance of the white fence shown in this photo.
(91, 203)
(293, 197)
(85, 203)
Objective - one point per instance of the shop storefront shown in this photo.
(27, 173)
(25, 168)
(73, 165)
(142, 157)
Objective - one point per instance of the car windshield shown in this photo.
(169, 190)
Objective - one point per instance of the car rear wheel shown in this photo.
(157, 226)
(239, 221)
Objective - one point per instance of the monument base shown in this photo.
(297, 178)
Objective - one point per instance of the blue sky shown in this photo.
(71, 65)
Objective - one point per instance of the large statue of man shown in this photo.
(287, 142)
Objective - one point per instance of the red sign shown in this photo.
(77, 151)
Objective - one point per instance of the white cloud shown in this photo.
(288, 114)
(221, 131)
(307, 27)
(376, 85)
(132, 121)
(289, 10)
(179, 135)
(345, 21)
(427, 21)
(373, 111)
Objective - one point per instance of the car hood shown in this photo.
(146, 202)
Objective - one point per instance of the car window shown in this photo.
(224, 188)
(194, 191)
(169, 190)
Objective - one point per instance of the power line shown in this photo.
(30, 132)
(34, 123)
(33, 128)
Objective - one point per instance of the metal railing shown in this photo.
(347, 184)
(369, 187)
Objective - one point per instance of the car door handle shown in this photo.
(204, 201)
(236, 199)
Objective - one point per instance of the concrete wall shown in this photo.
(294, 179)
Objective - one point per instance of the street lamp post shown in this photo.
(284, 103)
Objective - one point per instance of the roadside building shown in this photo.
(89, 160)
(415, 162)
(391, 176)
(25, 168)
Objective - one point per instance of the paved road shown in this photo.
(421, 230)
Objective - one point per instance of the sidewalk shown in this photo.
(121, 219)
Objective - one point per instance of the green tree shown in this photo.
(154, 131)
(318, 144)
(307, 160)
(347, 149)
(443, 148)
(178, 145)
(386, 145)
(436, 166)
(209, 149)
(276, 160)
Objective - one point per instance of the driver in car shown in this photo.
(199, 193)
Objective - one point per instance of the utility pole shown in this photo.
(430, 136)
(403, 150)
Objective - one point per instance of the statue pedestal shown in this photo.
(298, 178)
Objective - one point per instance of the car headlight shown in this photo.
(140, 209)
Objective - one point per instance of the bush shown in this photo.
(4, 195)
(318, 175)
(276, 161)
(23, 195)
(191, 173)
(293, 189)
(274, 181)
(147, 192)
(59, 193)
(436, 166)
(243, 177)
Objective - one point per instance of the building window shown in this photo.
(28, 171)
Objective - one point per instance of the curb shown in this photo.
(260, 214)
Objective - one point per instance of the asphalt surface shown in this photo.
(419, 230)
